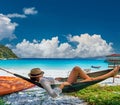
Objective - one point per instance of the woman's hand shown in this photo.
(64, 84)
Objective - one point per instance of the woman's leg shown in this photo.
(75, 73)
(110, 74)
(78, 72)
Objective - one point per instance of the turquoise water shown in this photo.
(52, 64)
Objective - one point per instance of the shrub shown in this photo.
(100, 95)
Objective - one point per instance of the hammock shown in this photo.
(71, 88)
(80, 85)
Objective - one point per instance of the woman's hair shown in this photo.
(33, 78)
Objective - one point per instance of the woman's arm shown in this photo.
(47, 86)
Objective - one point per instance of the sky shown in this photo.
(60, 28)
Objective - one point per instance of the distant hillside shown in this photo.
(6, 53)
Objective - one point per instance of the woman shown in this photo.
(37, 75)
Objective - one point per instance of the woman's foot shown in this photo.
(115, 71)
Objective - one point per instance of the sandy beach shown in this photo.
(111, 82)
(41, 97)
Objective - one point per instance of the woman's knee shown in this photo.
(76, 68)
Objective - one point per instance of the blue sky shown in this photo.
(66, 27)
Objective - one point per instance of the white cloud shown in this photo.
(16, 15)
(6, 28)
(43, 49)
(91, 46)
(88, 46)
(27, 11)
(30, 11)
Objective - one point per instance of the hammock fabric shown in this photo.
(30, 83)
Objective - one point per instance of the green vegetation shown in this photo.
(1, 101)
(6, 53)
(100, 95)
(97, 95)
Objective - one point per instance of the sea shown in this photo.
(52, 67)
